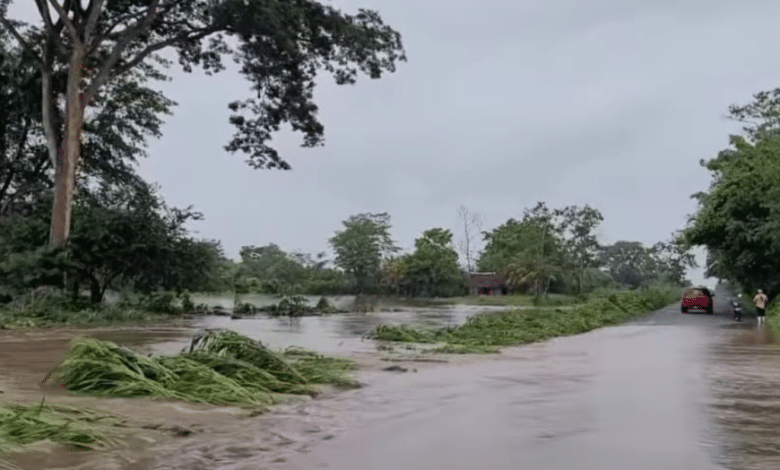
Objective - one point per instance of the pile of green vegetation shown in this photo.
(220, 367)
(21, 425)
(486, 331)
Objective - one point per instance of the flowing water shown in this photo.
(668, 391)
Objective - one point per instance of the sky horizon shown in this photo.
(501, 104)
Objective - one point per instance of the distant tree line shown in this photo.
(102, 228)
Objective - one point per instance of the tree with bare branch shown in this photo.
(472, 228)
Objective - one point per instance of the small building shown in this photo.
(487, 283)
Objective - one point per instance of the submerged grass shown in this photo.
(486, 331)
(21, 425)
(43, 314)
(221, 367)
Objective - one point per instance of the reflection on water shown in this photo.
(744, 372)
(330, 334)
(325, 333)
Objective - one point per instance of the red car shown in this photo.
(696, 298)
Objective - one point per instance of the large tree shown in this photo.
(281, 45)
(580, 244)
(738, 219)
(117, 130)
(432, 269)
(362, 246)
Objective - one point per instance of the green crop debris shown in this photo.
(220, 367)
(486, 331)
(21, 425)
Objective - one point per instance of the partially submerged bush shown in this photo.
(220, 367)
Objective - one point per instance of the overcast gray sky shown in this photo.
(502, 103)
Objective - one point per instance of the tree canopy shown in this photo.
(280, 44)
(738, 219)
(362, 246)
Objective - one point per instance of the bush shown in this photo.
(160, 302)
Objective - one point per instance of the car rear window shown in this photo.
(692, 293)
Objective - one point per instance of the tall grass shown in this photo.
(484, 332)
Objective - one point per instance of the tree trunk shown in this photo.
(95, 292)
(75, 287)
(69, 152)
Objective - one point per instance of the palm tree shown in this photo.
(535, 273)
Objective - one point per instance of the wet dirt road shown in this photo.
(669, 391)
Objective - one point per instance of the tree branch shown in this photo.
(127, 36)
(68, 24)
(43, 9)
(25, 45)
(95, 9)
(53, 31)
(47, 103)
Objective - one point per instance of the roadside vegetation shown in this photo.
(738, 216)
(486, 332)
(515, 300)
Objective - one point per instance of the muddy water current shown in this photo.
(668, 391)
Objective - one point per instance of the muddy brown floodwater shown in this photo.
(668, 391)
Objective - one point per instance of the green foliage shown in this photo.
(430, 271)
(21, 425)
(484, 331)
(117, 129)
(221, 367)
(25, 270)
(160, 302)
(773, 316)
(270, 270)
(580, 246)
(738, 219)
(510, 241)
(361, 247)
(122, 237)
(54, 309)
(187, 305)
(632, 265)
(546, 249)
(515, 300)
(403, 333)
(281, 46)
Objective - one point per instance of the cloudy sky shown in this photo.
(502, 103)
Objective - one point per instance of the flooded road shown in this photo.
(633, 396)
(669, 390)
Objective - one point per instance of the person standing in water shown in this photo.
(760, 301)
